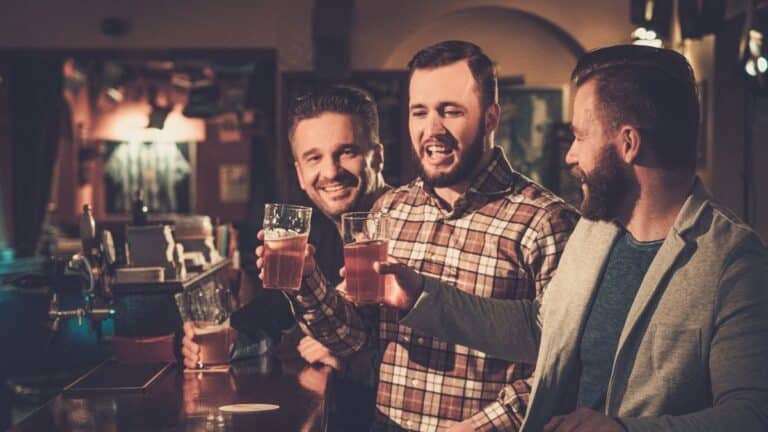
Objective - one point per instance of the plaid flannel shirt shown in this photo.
(502, 239)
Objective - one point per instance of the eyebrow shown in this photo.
(308, 152)
(440, 106)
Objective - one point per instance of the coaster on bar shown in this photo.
(248, 408)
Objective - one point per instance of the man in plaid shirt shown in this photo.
(468, 220)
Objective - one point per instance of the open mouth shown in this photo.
(438, 153)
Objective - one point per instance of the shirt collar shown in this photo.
(496, 179)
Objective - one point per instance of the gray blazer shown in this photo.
(693, 353)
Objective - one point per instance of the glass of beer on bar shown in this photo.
(286, 229)
(216, 342)
(365, 242)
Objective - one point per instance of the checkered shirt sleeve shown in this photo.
(332, 320)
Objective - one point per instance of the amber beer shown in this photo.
(365, 242)
(363, 283)
(216, 342)
(283, 262)
(286, 229)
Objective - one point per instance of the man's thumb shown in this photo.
(394, 268)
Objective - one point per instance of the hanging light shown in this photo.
(647, 37)
(755, 62)
(753, 59)
(653, 19)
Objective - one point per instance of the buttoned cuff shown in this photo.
(496, 416)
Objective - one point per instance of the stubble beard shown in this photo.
(466, 165)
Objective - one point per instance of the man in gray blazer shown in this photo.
(657, 317)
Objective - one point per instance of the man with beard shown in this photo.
(656, 319)
(334, 137)
(469, 221)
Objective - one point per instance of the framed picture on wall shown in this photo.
(527, 117)
(163, 171)
(534, 136)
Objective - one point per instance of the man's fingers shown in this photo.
(190, 357)
(310, 250)
(190, 364)
(259, 251)
(307, 341)
(553, 423)
(260, 235)
(391, 267)
(189, 328)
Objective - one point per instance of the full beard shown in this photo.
(609, 187)
(464, 166)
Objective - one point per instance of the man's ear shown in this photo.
(298, 175)
(492, 115)
(630, 144)
(376, 161)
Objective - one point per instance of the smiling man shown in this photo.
(656, 319)
(334, 136)
(470, 221)
(338, 157)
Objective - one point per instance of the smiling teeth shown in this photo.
(333, 188)
(437, 149)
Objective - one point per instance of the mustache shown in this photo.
(578, 173)
(446, 139)
(343, 178)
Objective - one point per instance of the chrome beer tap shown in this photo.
(92, 265)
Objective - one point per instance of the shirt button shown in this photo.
(420, 341)
(415, 382)
(406, 338)
(408, 423)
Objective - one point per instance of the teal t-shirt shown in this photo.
(627, 264)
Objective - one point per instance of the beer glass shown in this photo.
(286, 229)
(365, 242)
(216, 342)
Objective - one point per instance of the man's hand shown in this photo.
(309, 258)
(404, 288)
(189, 349)
(465, 426)
(583, 420)
(313, 351)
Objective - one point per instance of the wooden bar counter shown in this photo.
(188, 401)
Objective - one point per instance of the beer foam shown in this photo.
(283, 239)
(209, 329)
(279, 234)
(246, 408)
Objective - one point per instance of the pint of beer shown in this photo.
(286, 229)
(365, 242)
(215, 340)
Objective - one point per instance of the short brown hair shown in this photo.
(652, 89)
(341, 99)
(449, 52)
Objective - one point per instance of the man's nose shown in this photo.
(571, 156)
(330, 169)
(435, 126)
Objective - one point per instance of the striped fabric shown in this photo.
(502, 239)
